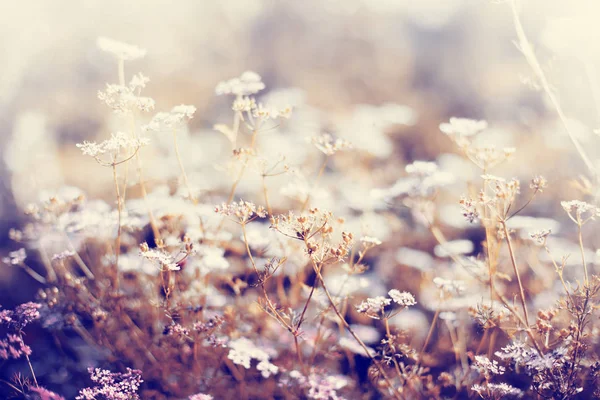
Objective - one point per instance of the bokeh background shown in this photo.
(337, 62)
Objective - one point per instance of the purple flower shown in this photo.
(13, 346)
(21, 316)
(40, 393)
(112, 385)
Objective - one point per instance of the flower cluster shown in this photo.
(463, 127)
(16, 257)
(329, 145)
(164, 260)
(405, 299)
(114, 146)
(112, 385)
(124, 99)
(13, 346)
(21, 316)
(122, 51)
(487, 367)
(244, 211)
(170, 120)
(246, 84)
(243, 351)
(373, 306)
(580, 211)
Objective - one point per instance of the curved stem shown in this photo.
(530, 57)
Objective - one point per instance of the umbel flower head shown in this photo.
(463, 126)
(246, 84)
(170, 120)
(122, 51)
(125, 98)
(112, 385)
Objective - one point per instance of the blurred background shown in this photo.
(382, 74)
(337, 61)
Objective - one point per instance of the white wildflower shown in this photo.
(125, 98)
(123, 51)
(576, 210)
(16, 257)
(164, 259)
(463, 126)
(449, 286)
(243, 351)
(370, 241)
(421, 168)
(405, 299)
(487, 367)
(267, 369)
(372, 307)
(248, 83)
(540, 236)
(329, 145)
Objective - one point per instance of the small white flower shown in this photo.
(164, 259)
(329, 145)
(578, 208)
(487, 367)
(540, 236)
(247, 84)
(421, 168)
(120, 50)
(92, 149)
(373, 306)
(463, 126)
(370, 241)
(449, 286)
(16, 257)
(405, 299)
(267, 369)
(243, 351)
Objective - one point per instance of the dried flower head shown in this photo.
(538, 183)
(329, 145)
(469, 209)
(540, 236)
(244, 211)
(580, 212)
(162, 258)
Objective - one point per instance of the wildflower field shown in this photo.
(361, 199)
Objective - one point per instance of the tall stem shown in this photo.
(585, 270)
(31, 369)
(358, 340)
(533, 62)
(516, 269)
(429, 334)
(119, 229)
(314, 186)
(181, 167)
